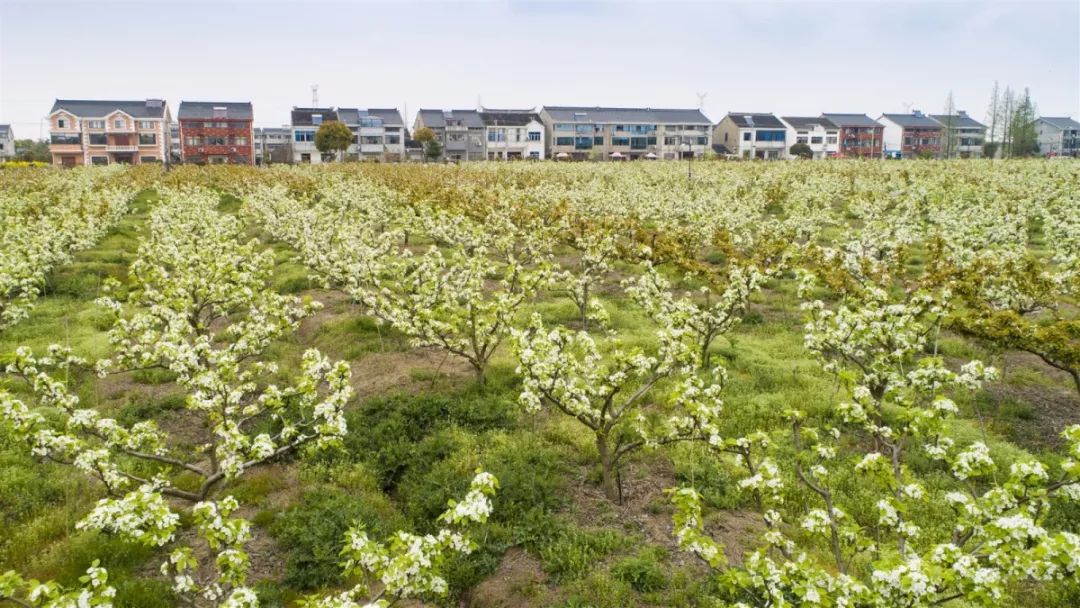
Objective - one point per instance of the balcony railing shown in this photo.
(128, 148)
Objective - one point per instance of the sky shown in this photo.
(788, 57)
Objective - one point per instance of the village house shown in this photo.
(93, 132)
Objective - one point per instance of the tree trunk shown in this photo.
(608, 477)
(481, 377)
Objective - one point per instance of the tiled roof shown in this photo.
(509, 118)
(234, 110)
(627, 115)
(437, 118)
(390, 116)
(808, 122)
(752, 120)
(913, 121)
(301, 117)
(146, 108)
(851, 120)
(958, 121)
(1061, 122)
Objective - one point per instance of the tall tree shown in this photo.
(990, 146)
(948, 139)
(333, 137)
(1024, 140)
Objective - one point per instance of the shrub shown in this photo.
(643, 571)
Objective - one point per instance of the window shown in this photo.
(598, 140)
(240, 141)
(146, 124)
(316, 119)
(583, 143)
(304, 136)
(584, 129)
(564, 141)
(61, 123)
(393, 139)
(535, 155)
(96, 124)
(830, 139)
(98, 139)
(496, 135)
(801, 139)
(703, 141)
(770, 135)
(620, 141)
(517, 135)
(215, 141)
(305, 158)
(118, 123)
(147, 139)
(746, 136)
(66, 140)
(148, 159)
(815, 139)
(638, 143)
(534, 136)
(371, 139)
(670, 141)
(194, 141)
(99, 160)
(371, 122)
(651, 140)
(564, 127)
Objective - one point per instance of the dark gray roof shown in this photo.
(913, 121)
(807, 122)
(437, 118)
(272, 131)
(1061, 122)
(146, 108)
(626, 115)
(851, 120)
(301, 117)
(959, 121)
(750, 120)
(390, 116)
(509, 118)
(234, 110)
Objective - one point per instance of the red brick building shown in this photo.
(213, 132)
(914, 135)
(860, 136)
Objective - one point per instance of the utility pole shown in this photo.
(314, 95)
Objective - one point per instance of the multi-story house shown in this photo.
(7, 143)
(378, 133)
(962, 136)
(819, 133)
(1058, 135)
(914, 135)
(273, 145)
(217, 132)
(860, 136)
(175, 147)
(580, 132)
(752, 135)
(305, 122)
(462, 133)
(90, 132)
(513, 134)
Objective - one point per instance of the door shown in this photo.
(67, 161)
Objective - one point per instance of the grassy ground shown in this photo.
(419, 427)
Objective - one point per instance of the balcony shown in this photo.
(126, 148)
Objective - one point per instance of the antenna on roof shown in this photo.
(314, 95)
(907, 106)
(479, 104)
(701, 100)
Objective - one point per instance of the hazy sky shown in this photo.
(784, 57)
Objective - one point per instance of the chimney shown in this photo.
(961, 113)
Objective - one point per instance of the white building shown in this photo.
(513, 134)
(378, 133)
(1058, 136)
(305, 122)
(582, 132)
(752, 135)
(962, 135)
(820, 133)
(7, 143)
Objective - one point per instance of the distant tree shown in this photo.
(333, 137)
(1024, 140)
(1005, 110)
(948, 140)
(30, 150)
(432, 147)
(992, 113)
(801, 150)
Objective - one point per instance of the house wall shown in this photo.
(235, 153)
(84, 153)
